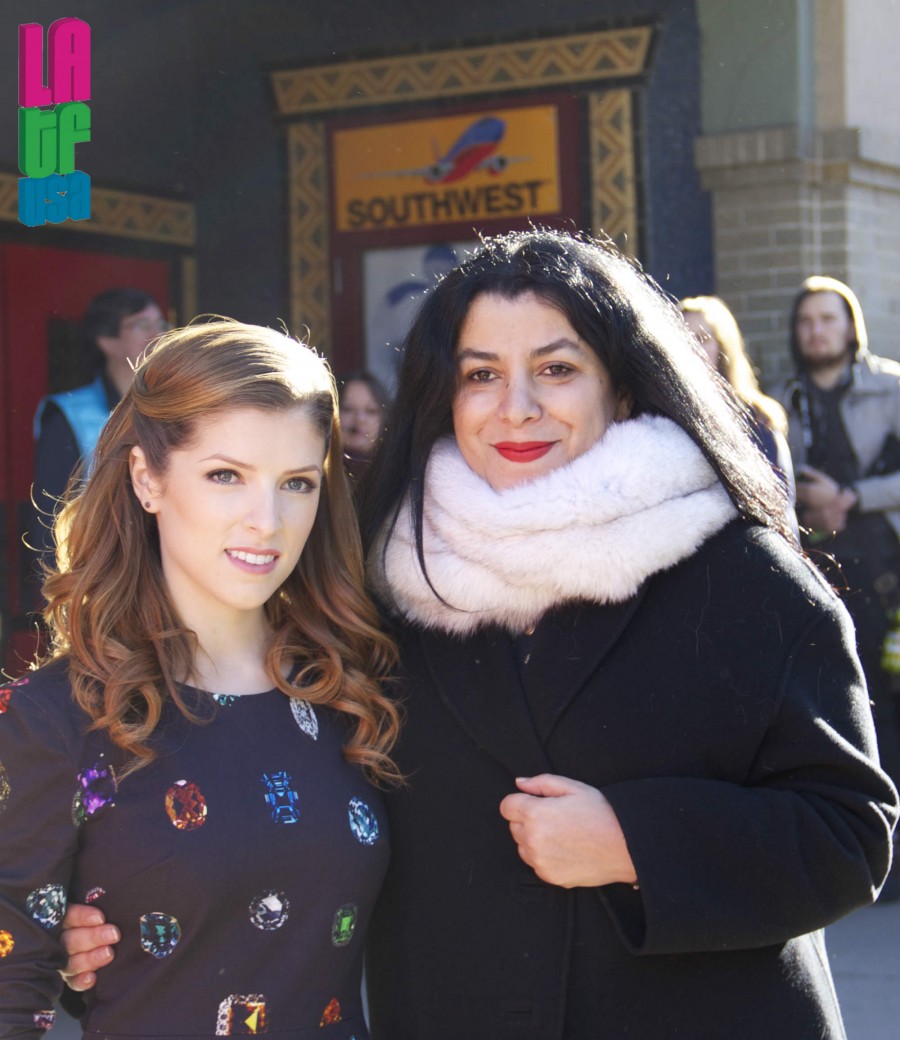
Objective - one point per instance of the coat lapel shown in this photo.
(479, 681)
(569, 646)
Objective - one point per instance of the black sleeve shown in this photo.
(56, 458)
(804, 841)
(38, 836)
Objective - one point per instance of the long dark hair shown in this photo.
(629, 322)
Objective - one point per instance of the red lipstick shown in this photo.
(523, 451)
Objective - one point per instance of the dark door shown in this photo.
(43, 292)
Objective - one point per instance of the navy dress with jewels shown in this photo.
(240, 866)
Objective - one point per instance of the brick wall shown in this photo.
(788, 203)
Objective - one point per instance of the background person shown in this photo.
(116, 327)
(716, 330)
(363, 404)
(843, 405)
(212, 702)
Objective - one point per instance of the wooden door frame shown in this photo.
(133, 223)
(606, 67)
(118, 214)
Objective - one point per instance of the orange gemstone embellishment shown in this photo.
(186, 806)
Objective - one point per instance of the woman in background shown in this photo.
(212, 704)
(363, 404)
(716, 331)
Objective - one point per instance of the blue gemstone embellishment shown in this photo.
(160, 934)
(363, 822)
(282, 797)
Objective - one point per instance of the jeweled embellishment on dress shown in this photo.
(185, 805)
(7, 942)
(281, 797)
(5, 789)
(225, 699)
(344, 923)
(6, 692)
(44, 1019)
(93, 894)
(47, 905)
(305, 717)
(160, 934)
(332, 1013)
(96, 789)
(269, 911)
(242, 1016)
(363, 822)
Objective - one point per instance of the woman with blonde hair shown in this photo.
(716, 330)
(196, 756)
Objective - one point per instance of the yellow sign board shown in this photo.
(455, 169)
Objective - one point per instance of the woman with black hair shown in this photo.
(642, 774)
(641, 768)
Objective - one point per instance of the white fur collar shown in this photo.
(640, 500)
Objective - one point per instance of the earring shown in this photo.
(147, 505)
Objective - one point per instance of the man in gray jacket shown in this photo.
(843, 407)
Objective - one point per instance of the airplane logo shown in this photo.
(474, 149)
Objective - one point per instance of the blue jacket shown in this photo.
(86, 410)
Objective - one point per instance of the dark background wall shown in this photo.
(181, 106)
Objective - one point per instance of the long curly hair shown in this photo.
(128, 652)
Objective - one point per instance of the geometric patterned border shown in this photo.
(581, 58)
(308, 241)
(188, 289)
(123, 213)
(613, 188)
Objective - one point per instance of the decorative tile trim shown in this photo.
(308, 237)
(580, 59)
(188, 287)
(613, 199)
(9, 196)
(122, 213)
(495, 68)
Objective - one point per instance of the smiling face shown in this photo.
(532, 395)
(234, 509)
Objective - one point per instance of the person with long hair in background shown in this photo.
(197, 757)
(717, 332)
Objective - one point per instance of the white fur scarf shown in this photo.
(637, 502)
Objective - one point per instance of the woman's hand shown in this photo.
(86, 938)
(567, 832)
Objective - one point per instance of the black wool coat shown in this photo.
(723, 714)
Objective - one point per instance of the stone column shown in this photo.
(807, 181)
